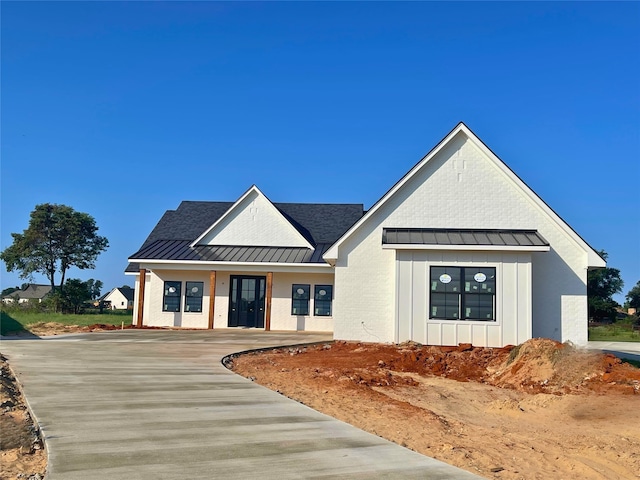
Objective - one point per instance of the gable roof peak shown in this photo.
(593, 258)
(300, 239)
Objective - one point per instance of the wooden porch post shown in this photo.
(267, 312)
(142, 280)
(212, 297)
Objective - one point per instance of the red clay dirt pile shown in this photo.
(536, 411)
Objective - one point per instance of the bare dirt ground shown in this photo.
(538, 411)
(43, 329)
(21, 452)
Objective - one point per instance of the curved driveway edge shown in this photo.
(159, 405)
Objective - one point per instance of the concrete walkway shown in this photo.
(628, 350)
(159, 405)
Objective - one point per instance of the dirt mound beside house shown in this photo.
(545, 366)
(536, 366)
(537, 411)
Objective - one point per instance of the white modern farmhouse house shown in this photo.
(460, 250)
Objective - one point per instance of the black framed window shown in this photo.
(322, 298)
(463, 293)
(300, 299)
(171, 297)
(193, 297)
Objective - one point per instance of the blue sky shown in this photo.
(122, 110)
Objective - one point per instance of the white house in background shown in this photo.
(460, 250)
(33, 292)
(120, 298)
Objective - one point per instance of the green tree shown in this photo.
(94, 287)
(74, 294)
(633, 297)
(602, 284)
(56, 239)
(9, 290)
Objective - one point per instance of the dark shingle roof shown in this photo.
(320, 224)
(127, 292)
(317, 222)
(187, 222)
(34, 291)
(450, 236)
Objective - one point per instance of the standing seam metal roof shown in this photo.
(180, 250)
(448, 236)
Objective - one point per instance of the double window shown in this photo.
(173, 295)
(322, 299)
(463, 293)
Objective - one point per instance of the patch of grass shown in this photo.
(613, 333)
(513, 354)
(9, 324)
(15, 320)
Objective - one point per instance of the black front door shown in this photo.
(246, 301)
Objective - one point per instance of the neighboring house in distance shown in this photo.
(120, 298)
(460, 250)
(32, 292)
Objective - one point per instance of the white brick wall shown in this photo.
(281, 318)
(458, 188)
(255, 221)
(154, 292)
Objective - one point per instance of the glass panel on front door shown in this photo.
(246, 302)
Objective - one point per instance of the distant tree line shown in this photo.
(602, 285)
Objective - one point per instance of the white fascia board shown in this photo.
(332, 252)
(593, 259)
(474, 248)
(235, 266)
(252, 189)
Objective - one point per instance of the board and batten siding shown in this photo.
(512, 297)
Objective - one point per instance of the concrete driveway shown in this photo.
(159, 405)
(628, 350)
